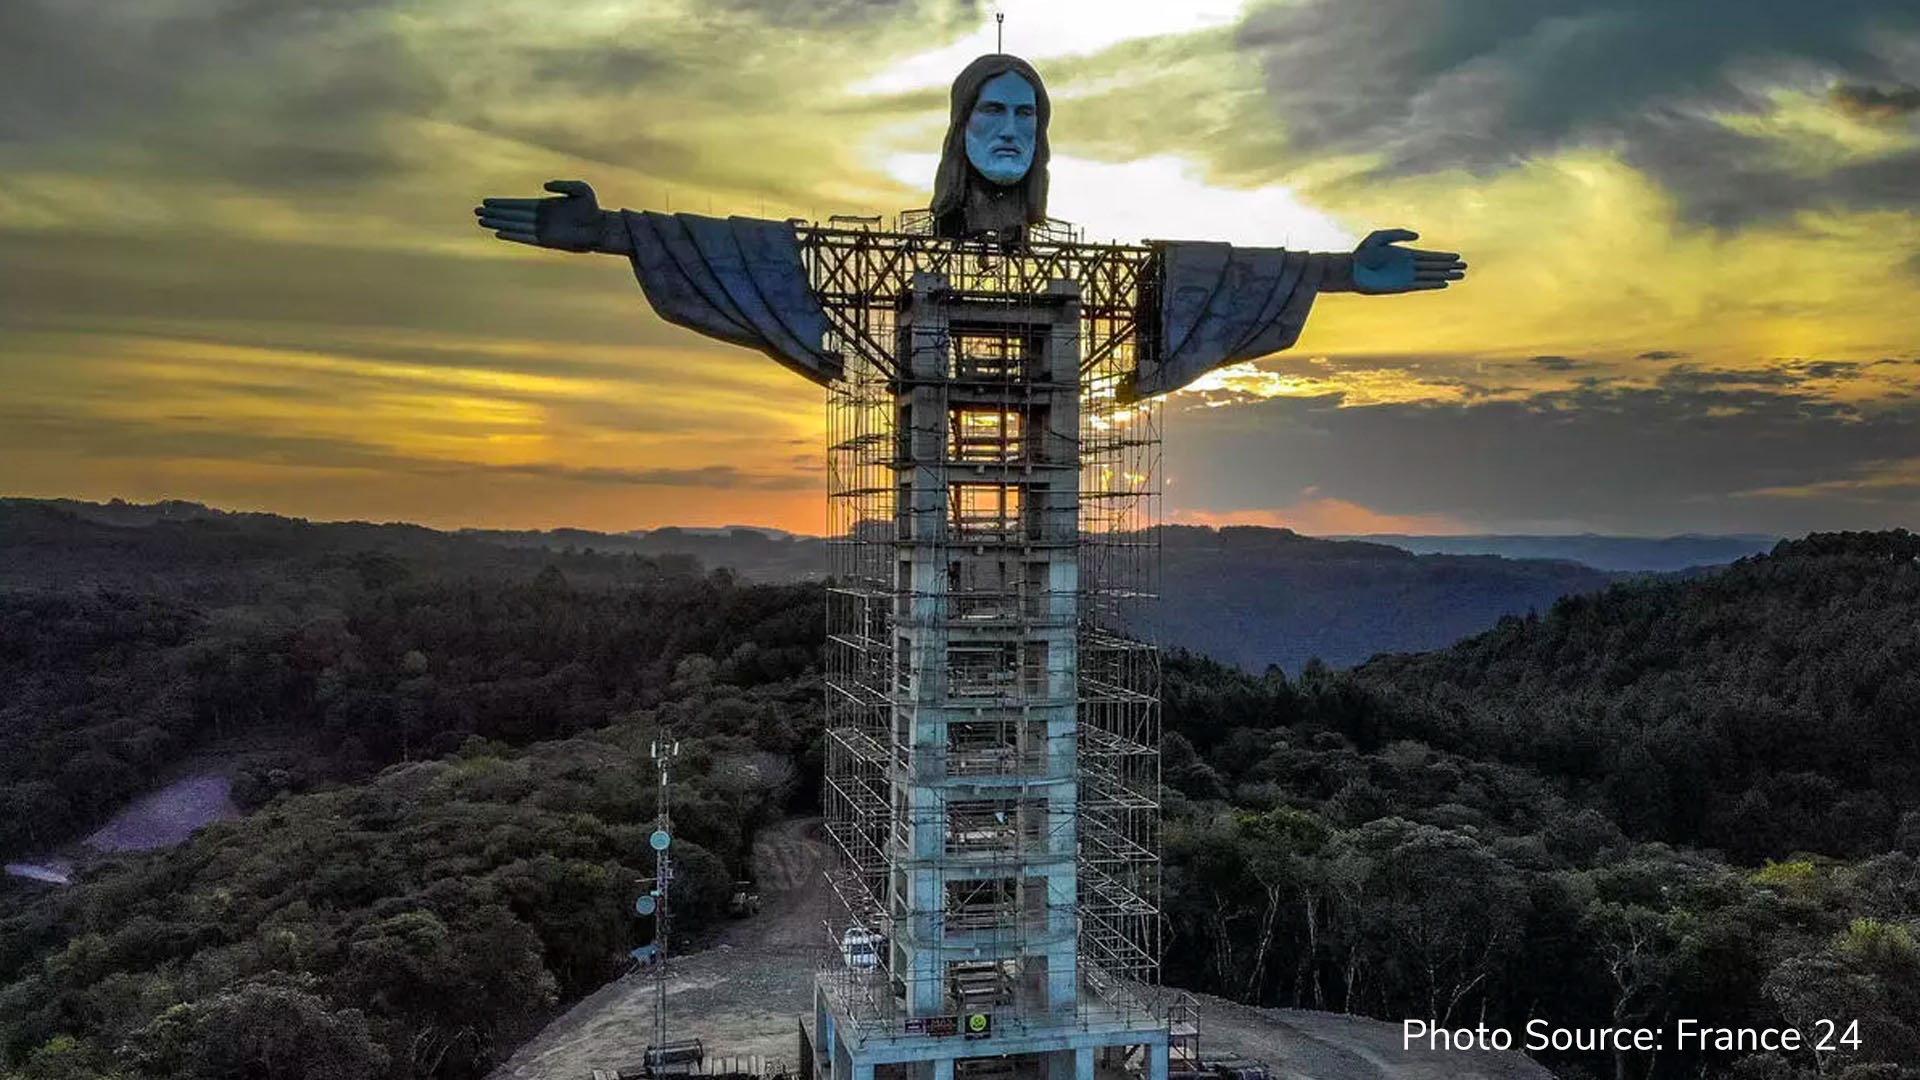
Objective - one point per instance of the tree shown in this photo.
(261, 1031)
(1282, 848)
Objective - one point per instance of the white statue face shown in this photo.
(1001, 130)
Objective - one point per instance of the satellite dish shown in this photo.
(660, 840)
(644, 905)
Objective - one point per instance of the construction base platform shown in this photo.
(1093, 1042)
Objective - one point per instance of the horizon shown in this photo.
(1694, 306)
(112, 502)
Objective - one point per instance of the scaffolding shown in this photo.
(992, 748)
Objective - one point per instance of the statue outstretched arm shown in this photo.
(1220, 304)
(736, 279)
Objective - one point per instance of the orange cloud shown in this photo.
(1323, 516)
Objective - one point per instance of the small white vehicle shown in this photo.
(860, 948)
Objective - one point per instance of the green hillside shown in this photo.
(1666, 800)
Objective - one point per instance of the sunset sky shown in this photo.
(237, 262)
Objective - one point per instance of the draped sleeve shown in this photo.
(1213, 304)
(736, 279)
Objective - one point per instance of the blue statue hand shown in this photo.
(1380, 267)
(571, 222)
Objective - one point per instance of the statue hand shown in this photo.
(1380, 267)
(571, 222)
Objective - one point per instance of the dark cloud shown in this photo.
(1661, 354)
(1635, 460)
(187, 438)
(1481, 84)
(1875, 103)
(1726, 179)
(1686, 377)
(1830, 369)
(101, 281)
(603, 66)
(275, 92)
(1554, 363)
(712, 476)
(192, 438)
(937, 16)
(369, 322)
(1780, 373)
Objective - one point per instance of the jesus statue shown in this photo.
(745, 280)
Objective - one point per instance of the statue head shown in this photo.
(993, 165)
(1000, 130)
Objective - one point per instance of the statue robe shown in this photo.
(739, 280)
(742, 280)
(1221, 304)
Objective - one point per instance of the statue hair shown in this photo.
(957, 175)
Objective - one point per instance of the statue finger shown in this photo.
(528, 216)
(571, 188)
(511, 204)
(509, 224)
(519, 237)
(1423, 286)
(1436, 256)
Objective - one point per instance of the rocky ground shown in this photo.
(743, 995)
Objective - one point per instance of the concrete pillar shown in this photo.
(862, 1070)
(823, 1040)
(1070, 1064)
(1156, 1061)
(942, 1069)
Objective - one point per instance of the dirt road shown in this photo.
(743, 995)
(740, 995)
(1303, 1045)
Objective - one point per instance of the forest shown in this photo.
(1667, 799)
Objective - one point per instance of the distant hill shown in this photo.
(1625, 553)
(756, 554)
(1248, 595)
(185, 550)
(1257, 596)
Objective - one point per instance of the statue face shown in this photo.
(1001, 130)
